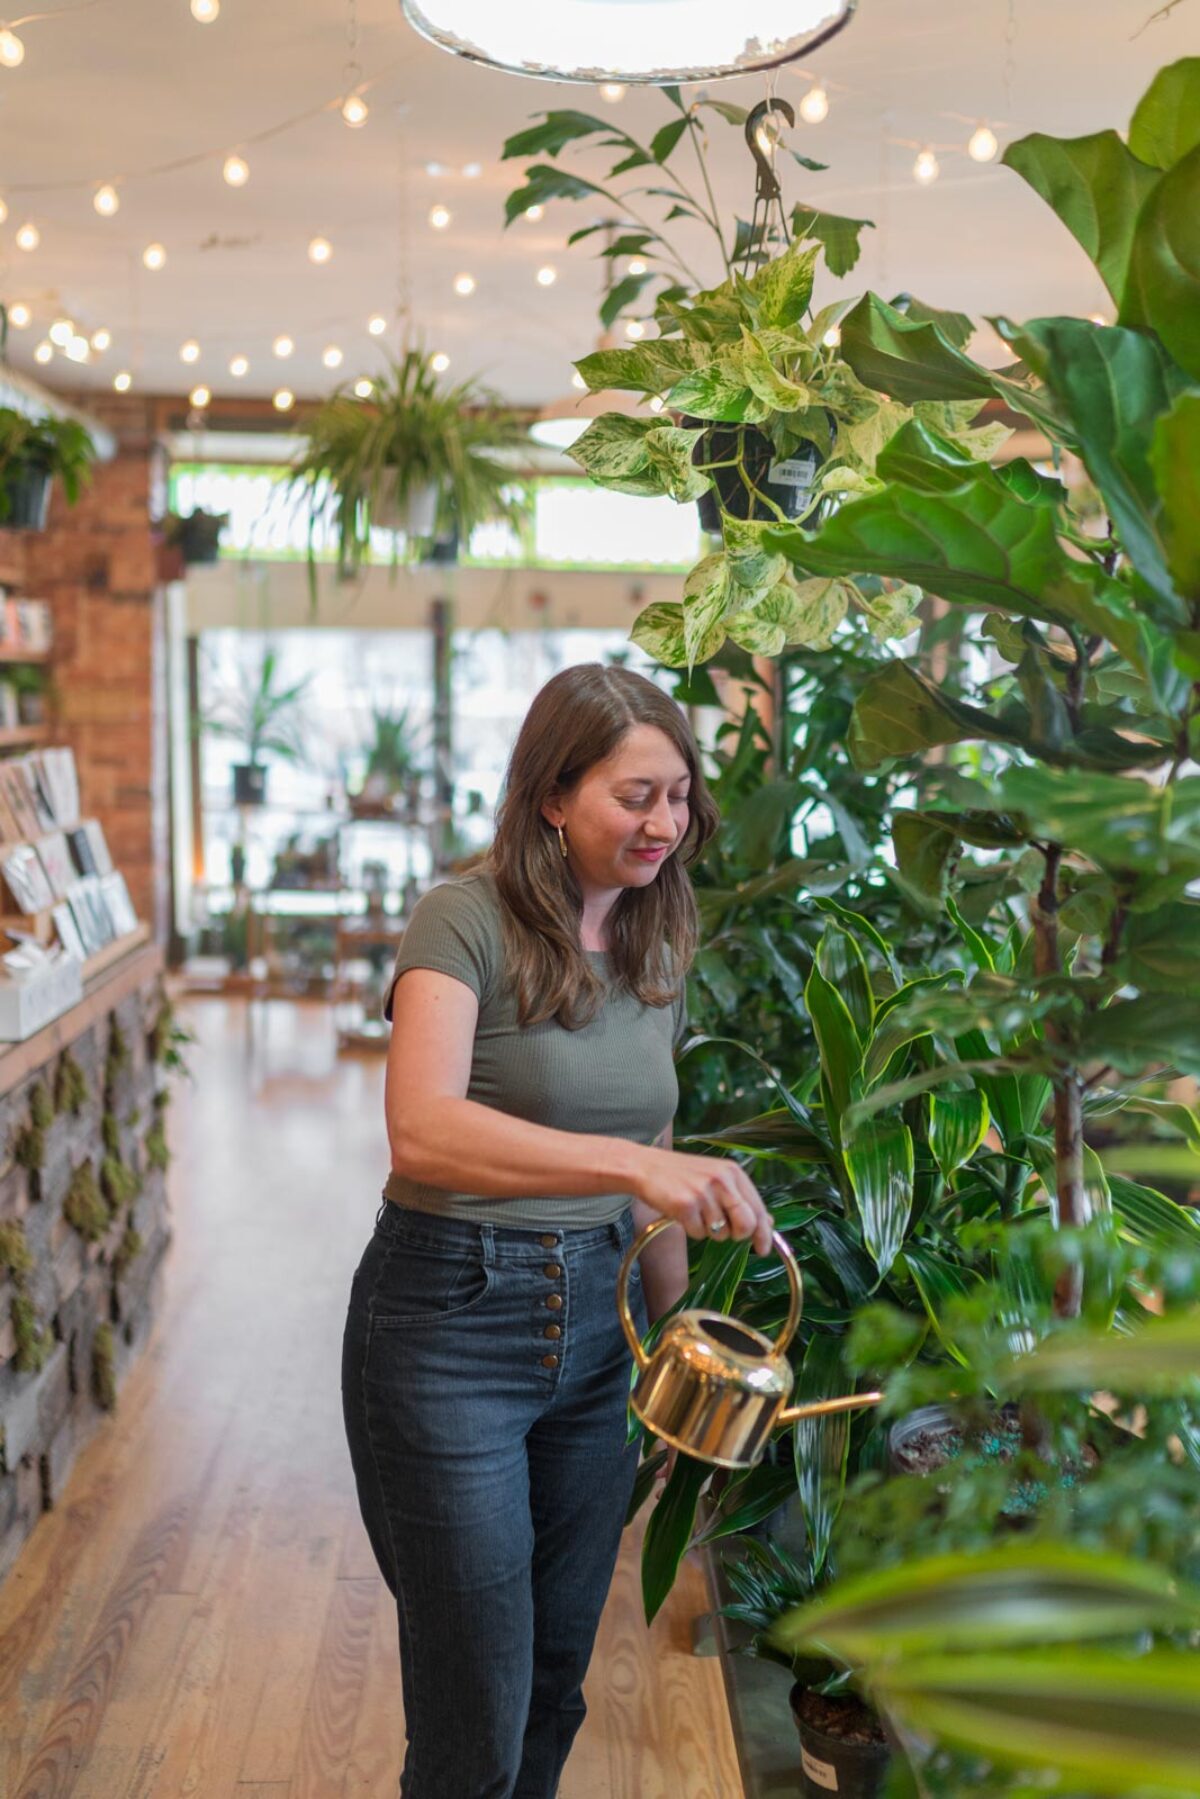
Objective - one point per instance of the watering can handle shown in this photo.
(783, 1249)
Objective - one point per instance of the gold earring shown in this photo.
(562, 840)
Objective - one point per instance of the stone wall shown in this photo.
(83, 1228)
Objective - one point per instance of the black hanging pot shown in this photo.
(853, 1765)
(199, 540)
(28, 491)
(787, 480)
(444, 549)
(249, 784)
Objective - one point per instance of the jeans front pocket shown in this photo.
(421, 1282)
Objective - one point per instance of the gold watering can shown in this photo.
(715, 1387)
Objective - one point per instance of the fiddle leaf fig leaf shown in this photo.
(1096, 186)
(1166, 122)
(1175, 459)
(899, 711)
(926, 851)
(1163, 290)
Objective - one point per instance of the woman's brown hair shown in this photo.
(577, 720)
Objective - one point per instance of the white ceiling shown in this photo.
(118, 86)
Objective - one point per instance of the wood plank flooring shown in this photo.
(202, 1615)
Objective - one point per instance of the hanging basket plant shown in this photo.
(33, 452)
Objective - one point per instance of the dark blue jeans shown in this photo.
(484, 1383)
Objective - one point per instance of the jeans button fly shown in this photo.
(552, 1271)
(549, 1242)
(549, 1361)
(554, 1301)
(552, 1330)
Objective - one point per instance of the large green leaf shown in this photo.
(1164, 270)
(1113, 385)
(821, 1446)
(926, 850)
(613, 451)
(958, 1124)
(1136, 1034)
(643, 368)
(672, 1523)
(1166, 122)
(774, 1135)
(1121, 824)
(1013, 1593)
(899, 712)
(1175, 459)
(1096, 186)
(837, 1040)
(879, 1160)
(1096, 1722)
(1161, 949)
(719, 391)
(841, 962)
(1161, 1357)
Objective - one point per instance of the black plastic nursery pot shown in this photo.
(249, 784)
(788, 481)
(853, 1764)
(199, 541)
(28, 493)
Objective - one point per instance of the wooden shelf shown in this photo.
(9, 654)
(22, 737)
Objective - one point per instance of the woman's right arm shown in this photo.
(441, 1138)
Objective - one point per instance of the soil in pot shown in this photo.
(929, 1438)
(843, 1747)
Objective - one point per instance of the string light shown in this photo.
(3, 211)
(12, 50)
(439, 217)
(19, 315)
(983, 145)
(44, 352)
(106, 200)
(101, 340)
(123, 381)
(200, 397)
(331, 356)
(546, 277)
(355, 110)
(236, 171)
(435, 168)
(814, 105)
(635, 329)
(1097, 318)
(205, 11)
(534, 213)
(190, 351)
(283, 347)
(61, 332)
(28, 237)
(439, 362)
(284, 400)
(364, 387)
(239, 366)
(354, 107)
(657, 403)
(926, 169)
(612, 91)
(637, 266)
(78, 349)
(464, 285)
(472, 170)
(320, 250)
(154, 256)
(377, 324)
(832, 337)
(578, 381)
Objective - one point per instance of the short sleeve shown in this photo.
(453, 930)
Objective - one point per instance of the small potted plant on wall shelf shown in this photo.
(32, 453)
(190, 539)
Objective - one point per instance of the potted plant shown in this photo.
(415, 457)
(266, 718)
(195, 535)
(392, 768)
(32, 453)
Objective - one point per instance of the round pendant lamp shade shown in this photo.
(648, 41)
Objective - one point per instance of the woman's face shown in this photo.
(628, 813)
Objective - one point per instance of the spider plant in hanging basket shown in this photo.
(415, 457)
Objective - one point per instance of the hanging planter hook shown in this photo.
(767, 192)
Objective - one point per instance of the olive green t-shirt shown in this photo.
(614, 1077)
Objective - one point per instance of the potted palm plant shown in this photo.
(393, 766)
(265, 716)
(32, 453)
(414, 457)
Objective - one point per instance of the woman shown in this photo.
(530, 1093)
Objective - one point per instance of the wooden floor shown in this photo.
(202, 1614)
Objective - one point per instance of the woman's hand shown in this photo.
(707, 1196)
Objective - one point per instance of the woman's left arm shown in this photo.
(664, 1264)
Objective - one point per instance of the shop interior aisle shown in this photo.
(201, 1615)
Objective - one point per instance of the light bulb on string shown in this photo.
(331, 356)
(44, 351)
(767, 134)
(236, 171)
(435, 168)
(832, 337)
(106, 200)
(464, 285)
(472, 170)
(440, 217)
(154, 257)
(78, 349)
(926, 168)
(637, 266)
(12, 50)
(534, 213)
(200, 397)
(320, 250)
(355, 110)
(547, 276)
(612, 91)
(377, 324)
(1098, 318)
(983, 145)
(61, 332)
(284, 400)
(3, 210)
(364, 387)
(814, 105)
(28, 237)
(657, 403)
(101, 340)
(189, 351)
(578, 381)
(635, 329)
(123, 381)
(283, 347)
(205, 11)
(439, 362)
(19, 316)
(239, 366)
